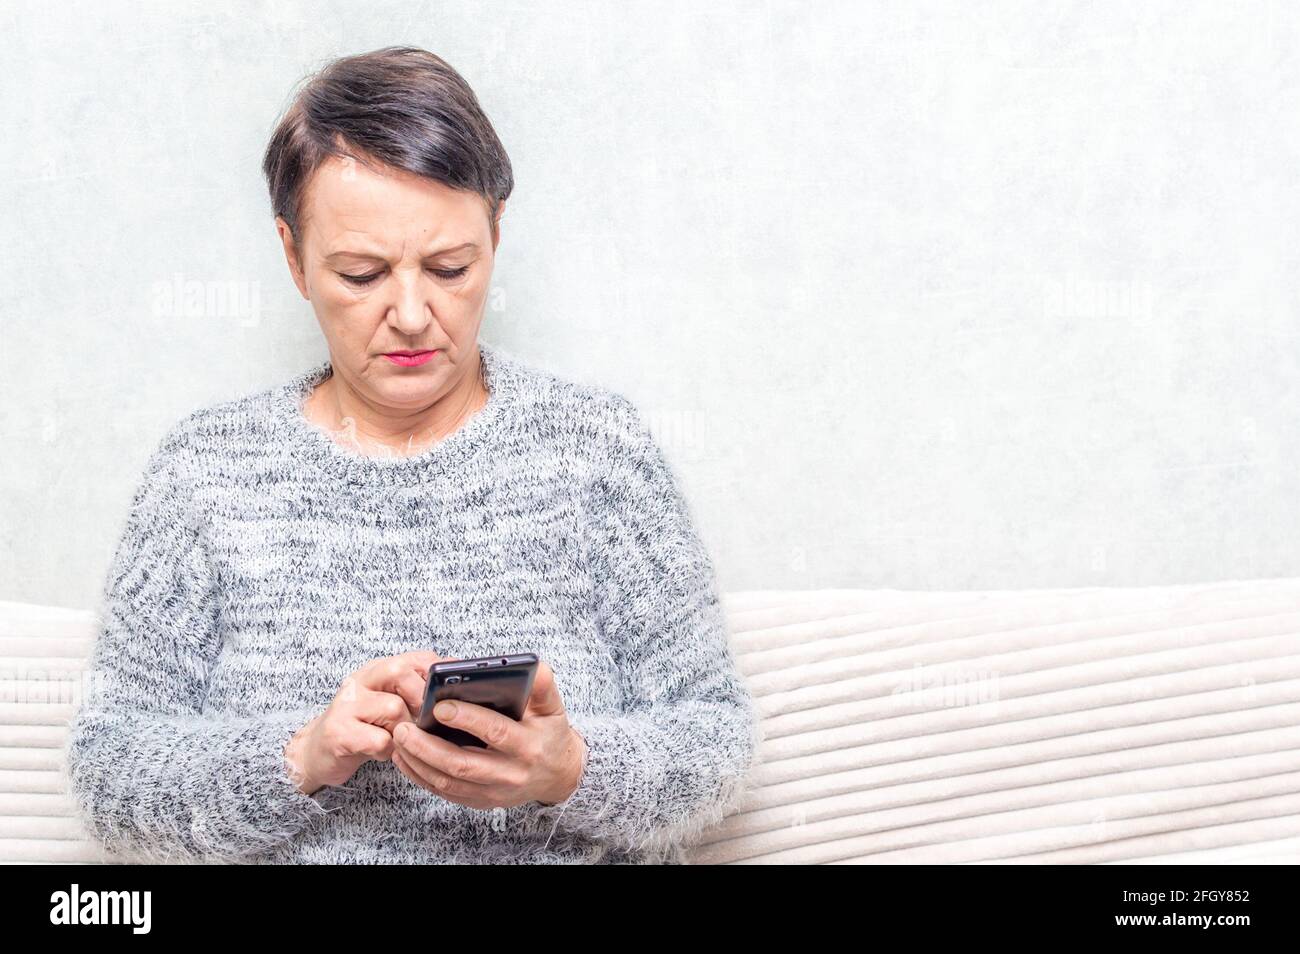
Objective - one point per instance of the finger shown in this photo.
(411, 687)
(412, 682)
(545, 699)
(387, 673)
(385, 709)
(369, 739)
(500, 732)
(421, 659)
(461, 762)
(440, 783)
(474, 795)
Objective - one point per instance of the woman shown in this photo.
(295, 559)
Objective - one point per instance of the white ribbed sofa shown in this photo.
(1090, 725)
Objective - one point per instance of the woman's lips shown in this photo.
(410, 359)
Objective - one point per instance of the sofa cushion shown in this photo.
(1083, 725)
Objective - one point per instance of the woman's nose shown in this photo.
(411, 311)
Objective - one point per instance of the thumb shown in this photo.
(545, 699)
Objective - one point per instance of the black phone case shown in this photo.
(500, 683)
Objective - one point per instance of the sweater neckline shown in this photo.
(312, 444)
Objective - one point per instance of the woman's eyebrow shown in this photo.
(349, 253)
(451, 248)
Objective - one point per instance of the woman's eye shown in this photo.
(363, 280)
(359, 279)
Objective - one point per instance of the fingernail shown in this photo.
(402, 730)
(446, 710)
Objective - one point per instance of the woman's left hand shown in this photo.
(538, 758)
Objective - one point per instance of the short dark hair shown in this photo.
(400, 106)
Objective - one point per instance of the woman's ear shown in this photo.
(291, 256)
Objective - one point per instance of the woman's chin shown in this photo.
(406, 388)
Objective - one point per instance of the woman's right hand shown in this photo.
(358, 725)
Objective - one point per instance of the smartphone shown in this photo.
(500, 683)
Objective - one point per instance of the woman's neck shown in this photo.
(375, 430)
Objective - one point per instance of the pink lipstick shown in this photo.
(410, 359)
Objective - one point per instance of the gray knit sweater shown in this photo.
(262, 562)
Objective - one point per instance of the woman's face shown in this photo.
(393, 262)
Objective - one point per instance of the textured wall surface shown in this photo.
(917, 295)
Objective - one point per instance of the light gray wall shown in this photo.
(917, 295)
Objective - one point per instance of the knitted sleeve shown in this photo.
(676, 759)
(150, 772)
